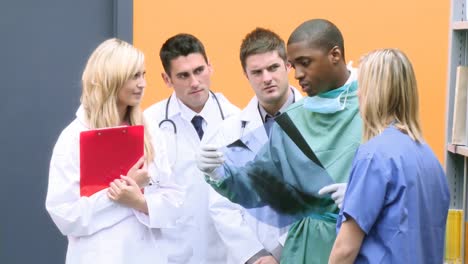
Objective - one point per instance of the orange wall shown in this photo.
(419, 28)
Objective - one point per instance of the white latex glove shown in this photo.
(209, 160)
(337, 191)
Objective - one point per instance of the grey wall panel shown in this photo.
(43, 49)
(123, 20)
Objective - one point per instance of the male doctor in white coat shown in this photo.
(190, 112)
(264, 61)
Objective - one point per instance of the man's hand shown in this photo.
(337, 191)
(139, 173)
(266, 260)
(210, 159)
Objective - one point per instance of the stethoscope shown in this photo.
(244, 122)
(170, 121)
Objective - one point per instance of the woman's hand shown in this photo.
(125, 191)
(139, 173)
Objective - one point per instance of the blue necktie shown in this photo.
(197, 122)
(269, 120)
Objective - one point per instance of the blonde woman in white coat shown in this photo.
(119, 224)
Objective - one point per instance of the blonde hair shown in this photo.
(388, 94)
(110, 65)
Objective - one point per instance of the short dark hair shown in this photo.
(180, 45)
(320, 33)
(260, 41)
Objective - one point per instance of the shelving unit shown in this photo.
(460, 25)
(457, 149)
(456, 156)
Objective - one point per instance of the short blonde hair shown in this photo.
(110, 65)
(388, 93)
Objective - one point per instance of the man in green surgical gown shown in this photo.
(311, 145)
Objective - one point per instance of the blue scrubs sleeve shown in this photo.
(366, 192)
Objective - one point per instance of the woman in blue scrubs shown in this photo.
(395, 207)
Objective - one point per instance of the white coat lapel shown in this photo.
(254, 135)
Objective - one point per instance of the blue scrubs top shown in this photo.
(398, 195)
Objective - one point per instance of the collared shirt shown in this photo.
(188, 114)
(283, 108)
(207, 112)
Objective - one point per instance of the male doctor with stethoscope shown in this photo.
(184, 118)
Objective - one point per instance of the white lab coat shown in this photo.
(241, 232)
(100, 230)
(195, 240)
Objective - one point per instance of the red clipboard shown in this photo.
(107, 153)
